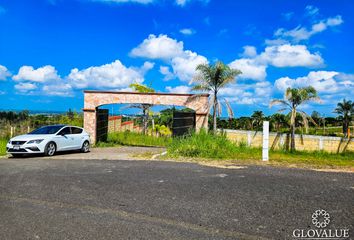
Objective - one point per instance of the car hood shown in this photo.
(27, 137)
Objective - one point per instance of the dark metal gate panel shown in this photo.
(101, 125)
(183, 123)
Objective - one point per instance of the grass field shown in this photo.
(209, 147)
(134, 139)
(3, 143)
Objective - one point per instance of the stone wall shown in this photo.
(302, 142)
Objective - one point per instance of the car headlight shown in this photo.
(36, 141)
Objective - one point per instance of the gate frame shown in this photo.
(94, 99)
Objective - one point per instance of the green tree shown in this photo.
(141, 88)
(345, 110)
(294, 97)
(257, 119)
(278, 120)
(212, 78)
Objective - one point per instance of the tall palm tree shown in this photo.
(257, 119)
(345, 110)
(294, 97)
(212, 78)
(138, 87)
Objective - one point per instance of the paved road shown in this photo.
(98, 199)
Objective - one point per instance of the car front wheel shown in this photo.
(50, 149)
(85, 147)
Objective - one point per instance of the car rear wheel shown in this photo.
(85, 147)
(50, 149)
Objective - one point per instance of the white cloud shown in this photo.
(250, 68)
(4, 73)
(249, 51)
(311, 10)
(25, 87)
(184, 2)
(184, 66)
(302, 33)
(254, 66)
(63, 89)
(325, 82)
(42, 74)
(165, 70)
(187, 31)
(183, 62)
(178, 89)
(290, 56)
(248, 94)
(161, 47)
(112, 75)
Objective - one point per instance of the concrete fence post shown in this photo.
(249, 138)
(320, 143)
(265, 149)
(11, 131)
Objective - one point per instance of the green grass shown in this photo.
(218, 147)
(134, 139)
(204, 145)
(3, 143)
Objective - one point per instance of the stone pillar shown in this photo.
(201, 121)
(90, 123)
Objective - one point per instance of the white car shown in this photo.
(49, 140)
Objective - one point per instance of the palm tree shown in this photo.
(278, 120)
(294, 97)
(138, 87)
(257, 119)
(345, 110)
(212, 78)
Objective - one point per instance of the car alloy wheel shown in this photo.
(51, 149)
(86, 147)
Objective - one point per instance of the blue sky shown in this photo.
(52, 50)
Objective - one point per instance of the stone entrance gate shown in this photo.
(95, 99)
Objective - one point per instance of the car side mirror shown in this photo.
(61, 134)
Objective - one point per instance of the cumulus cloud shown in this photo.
(158, 47)
(184, 66)
(63, 89)
(254, 66)
(178, 89)
(168, 75)
(248, 94)
(4, 73)
(249, 51)
(112, 75)
(325, 82)
(25, 87)
(183, 62)
(42, 74)
(187, 31)
(290, 56)
(250, 68)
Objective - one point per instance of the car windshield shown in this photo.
(46, 130)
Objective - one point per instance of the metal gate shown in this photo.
(183, 123)
(101, 125)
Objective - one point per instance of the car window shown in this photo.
(46, 130)
(76, 130)
(65, 131)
